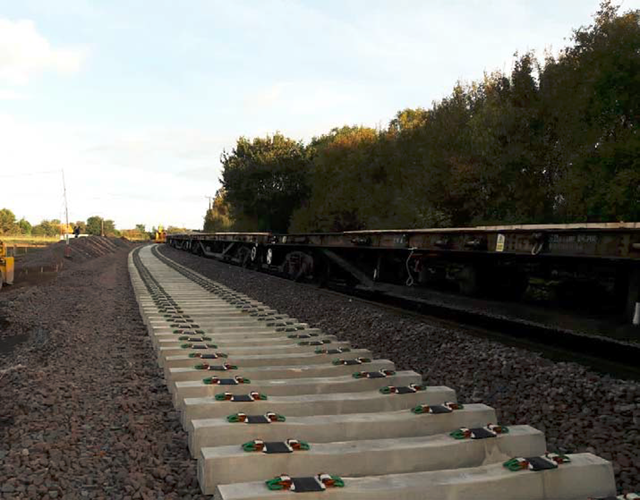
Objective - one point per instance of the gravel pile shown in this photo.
(83, 410)
(579, 410)
(81, 250)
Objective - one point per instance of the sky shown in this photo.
(136, 99)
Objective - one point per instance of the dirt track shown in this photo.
(83, 412)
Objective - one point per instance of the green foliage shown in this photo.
(265, 180)
(97, 226)
(47, 228)
(25, 226)
(110, 229)
(7, 221)
(344, 171)
(94, 225)
(552, 141)
(176, 230)
(10, 227)
(52, 228)
(594, 85)
(218, 217)
(139, 233)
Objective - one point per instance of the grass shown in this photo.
(25, 240)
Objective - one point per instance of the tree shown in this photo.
(591, 91)
(507, 156)
(218, 217)
(550, 141)
(82, 225)
(25, 226)
(135, 234)
(138, 233)
(98, 226)
(110, 229)
(408, 119)
(344, 182)
(7, 221)
(265, 180)
(176, 230)
(47, 228)
(94, 225)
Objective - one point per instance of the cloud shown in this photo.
(24, 52)
(163, 147)
(151, 176)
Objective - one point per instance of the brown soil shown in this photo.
(80, 250)
(41, 265)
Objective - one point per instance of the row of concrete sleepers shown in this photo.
(275, 408)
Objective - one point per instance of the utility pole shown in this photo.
(66, 209)
(210, 198)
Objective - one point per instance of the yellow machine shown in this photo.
(161, 235)
(6, 266)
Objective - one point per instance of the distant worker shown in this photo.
(76, 231)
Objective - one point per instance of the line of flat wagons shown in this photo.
(598, 263)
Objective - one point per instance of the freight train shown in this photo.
(596, 263)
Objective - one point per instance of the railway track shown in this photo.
(597, 352)
(274, 408)
(559, 339)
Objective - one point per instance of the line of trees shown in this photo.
(552, 141)
(11, 226)
(94, 225)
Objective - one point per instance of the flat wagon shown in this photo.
(601, 261)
